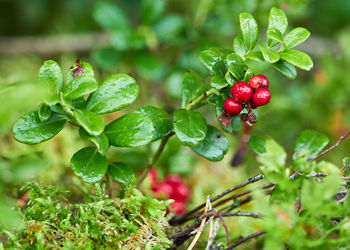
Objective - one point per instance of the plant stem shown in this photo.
(251, 236)
(109, 185)
(199, 99)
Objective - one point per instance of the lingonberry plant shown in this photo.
(236, 91)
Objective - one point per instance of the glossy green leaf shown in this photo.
(235, 65)
(239, 46)
(311, 141)
(213, 62)
(79, 69)
(193, 86)
(295, 37)
(89, 165)
(279, 21)
(269, 55)
(161, 120)
(78, 103)
(218, 82)
(100, 141)
(29, 129)
(297, 58)
(115, 93)
(190, 127)
(275, 34)
(256, 56)
(130, 130)
(44, 112)
(50, 77)
(214, 146)
(230, 78)
(248, 74)
(91, 122)
(249, 29)
(121, 172)
(286, 69)
(79, 87)
(110, 16)
(235, 125)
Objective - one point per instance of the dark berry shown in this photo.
(241, 92)
(261, 97)
(232, 107)
(257, 81)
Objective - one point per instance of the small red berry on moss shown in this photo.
(179, 207)
(257, 81)
(173, 179)
(260, 97)
(241, 92)
(232, 107)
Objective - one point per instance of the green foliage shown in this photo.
(102, 223)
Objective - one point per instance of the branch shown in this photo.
(242, 240)
(331, 148)
(180, 219)
(199, 99)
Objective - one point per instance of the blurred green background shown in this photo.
(156, 41)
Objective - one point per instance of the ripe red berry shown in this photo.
(261, 97)
(241, 92)
(163, 190)
(178, 207)
(257, 81)
(232, 107)
(173, 179)
(181, 192)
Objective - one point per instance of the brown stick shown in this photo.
(242, 240)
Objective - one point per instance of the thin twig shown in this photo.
(199, 99)
(213, 235)
(251, 236)
(226, 229)
(183, 218)
(330, 148)
(247, 214)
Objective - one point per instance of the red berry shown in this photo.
(232, 107)
(179, 207)
(163, 190)
(153, 175)
(257, 81)
(241, 92)
(173, 179)
(261, 97)
(181, 192)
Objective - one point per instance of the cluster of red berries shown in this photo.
(256, 93)
(172, 187)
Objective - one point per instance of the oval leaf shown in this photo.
(193, 86)
(130, 130)
(235, 65)
(214, 146)
(50, 77)
(249, 29)
(113, 94)
(100, 141)
(275, 34)
(44, 112)
(110, 16)
(213, 62)
(279, 21)
(286, 69)
(269, 55)
(79, 69)
(295, 37)
(297, 58)
(161, 120)
(190, 127)
(91, 122)
(218, 82)
(89, 165)
(79, 87)
(311, 141)
(239, 46)
(29, 129)
(121, 172)
(256, 56)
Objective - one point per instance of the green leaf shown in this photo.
(286, 69)
(249, 29)
(110, 16)
(29, 129)
(235, 65)
(192, 87)
(151, 10)
(239, 46)
(121, 39)
(100, 141)
(79, 87)
(190, 127)
(162, 123)
(44, 112)
(213, 62)
(149, 66)
(115, 93)
(275, 34)
(257, 144)
(169, 28)
(91, 122)
(130, 130)
(297, 58)
(295, 37)
(310, 141)
(248, 74)
(214, 146)
(235, 125)
(218, 82)
(79, 69)
(269, 55)
(89, 164)
(50, 77)
(277, 20)
(256, 56)
(121, 172)
(106, 57)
